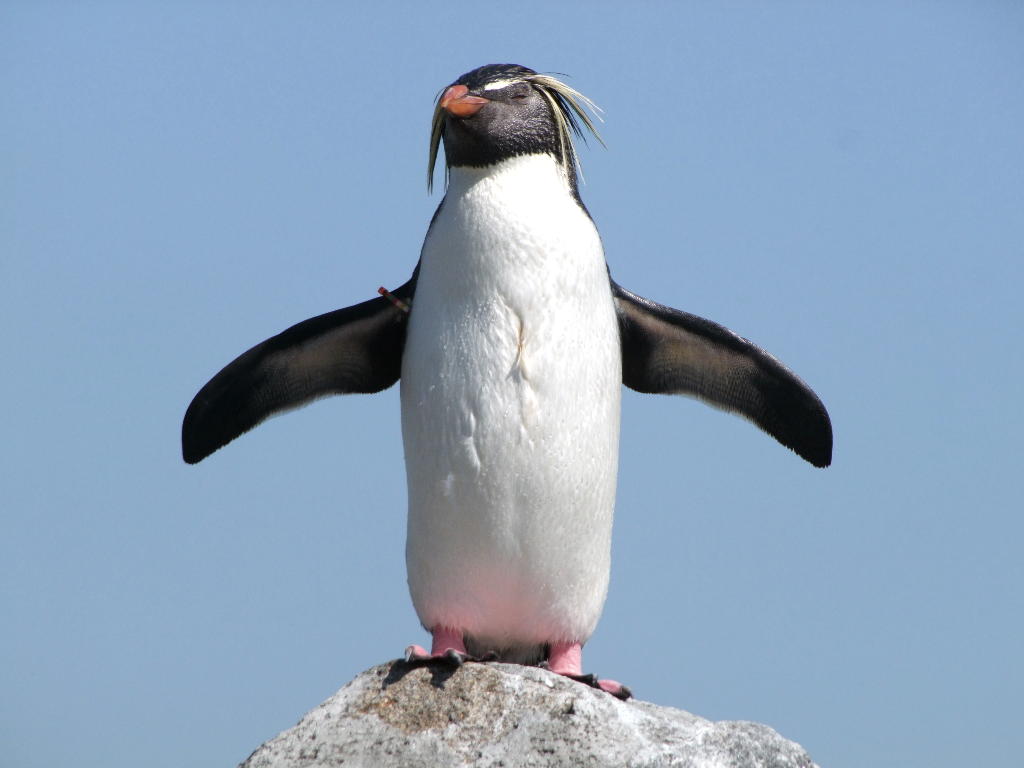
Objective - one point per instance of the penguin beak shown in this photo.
(457, 101)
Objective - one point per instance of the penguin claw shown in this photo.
(614, 687)
(453, 657)
(417, 655)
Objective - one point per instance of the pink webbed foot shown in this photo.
(447, 646)
(567, 659)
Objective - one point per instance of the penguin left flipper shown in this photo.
(668, 351)
(356, 349)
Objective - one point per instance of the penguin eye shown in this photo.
(520, 92)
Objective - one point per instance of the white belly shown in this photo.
(511, 382)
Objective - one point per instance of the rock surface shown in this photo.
(490, 715)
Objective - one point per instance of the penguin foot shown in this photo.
(566, 659)
(614, 687)
(416, 654)
(448, 647)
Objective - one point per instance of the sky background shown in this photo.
(840, 182)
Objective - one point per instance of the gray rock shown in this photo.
(490, 715)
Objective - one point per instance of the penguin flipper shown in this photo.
(353, 350)
(668, 351)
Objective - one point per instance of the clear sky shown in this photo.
(840, 182)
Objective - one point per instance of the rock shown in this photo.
(489, 715)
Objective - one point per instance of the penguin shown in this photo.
(512, 344)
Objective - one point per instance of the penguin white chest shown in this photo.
(511, 381)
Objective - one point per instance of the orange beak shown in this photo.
(457, 101)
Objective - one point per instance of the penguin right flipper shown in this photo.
(668, 351)
(356, 349)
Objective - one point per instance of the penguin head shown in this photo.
(499, 111)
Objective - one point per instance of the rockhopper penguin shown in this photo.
(512, 344)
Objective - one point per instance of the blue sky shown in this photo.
(840, 182)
